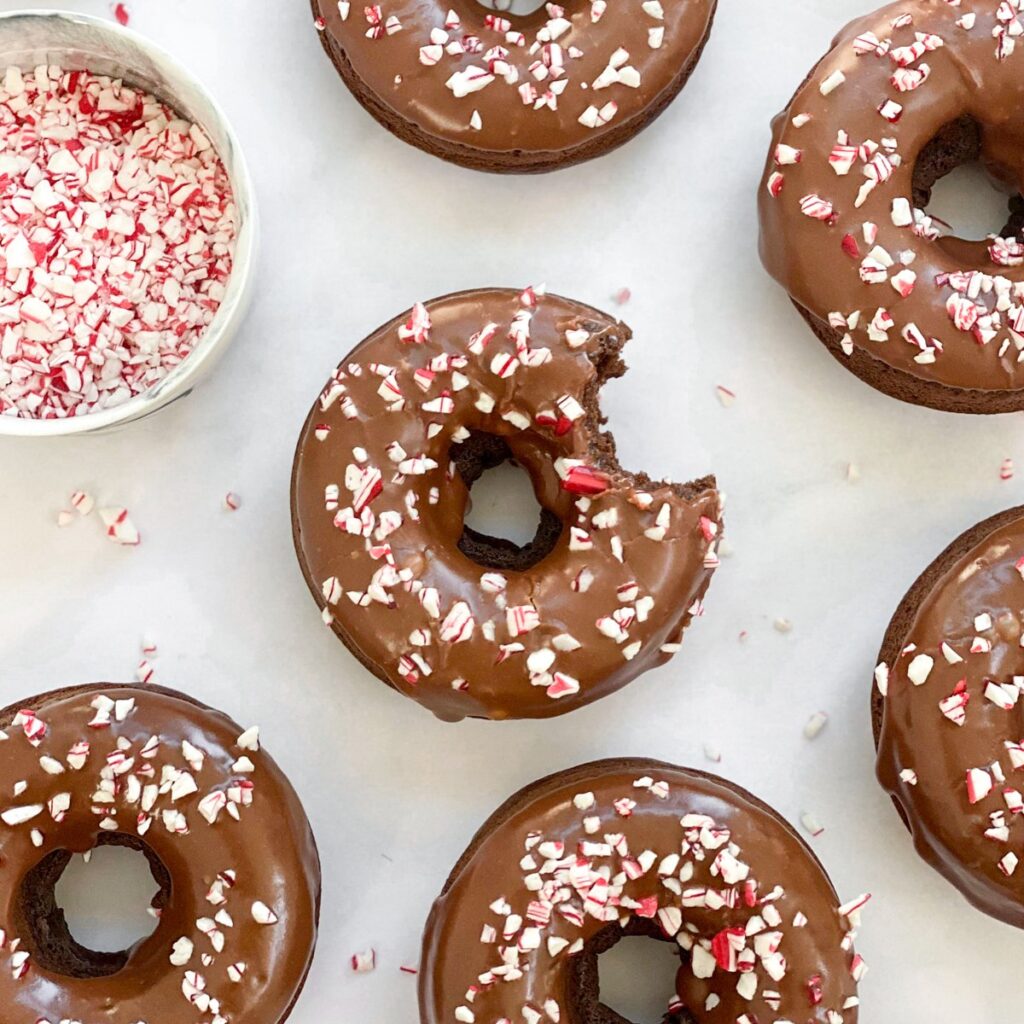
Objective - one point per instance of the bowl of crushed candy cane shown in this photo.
(127, 226)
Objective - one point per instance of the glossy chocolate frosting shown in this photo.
(378, 505)
(557, 81)
(949, 729)
(149, 768)
(840, 227)
(592, 850)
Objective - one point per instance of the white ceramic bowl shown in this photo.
(78, 42)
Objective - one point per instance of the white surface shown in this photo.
(357, 226)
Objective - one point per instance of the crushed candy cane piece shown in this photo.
(364, 962)
(815, 724)
(119, 527)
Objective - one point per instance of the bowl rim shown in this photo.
(218, 334)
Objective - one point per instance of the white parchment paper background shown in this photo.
(356, 227)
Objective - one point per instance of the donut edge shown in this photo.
(511, 162)
(905, 386)
(54, 696)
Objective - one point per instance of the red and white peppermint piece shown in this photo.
(364, 962)
(954, 707)
(82, 502)
(817, 208)
(262, 914)
(458, 624)
(979, 784)
(119, 526)
(417, 328)
(851, 911)
(579, 478)
(522, 619)
(563, 686)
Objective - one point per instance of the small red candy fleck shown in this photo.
(850, 247)
(814, 993)
(725, 945)
(709, 528)
(585, 480)
(121, 14)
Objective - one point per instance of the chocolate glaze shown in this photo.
(781, 867)
(569, 658)
(967, 86)
(412, 99)
(270, 848)
(977, 575)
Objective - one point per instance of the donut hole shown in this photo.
(627, 976)
(497, 530)
(82, 917)
(515, 8)
(954, 186)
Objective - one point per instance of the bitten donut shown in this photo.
(947, 714)
(905, 96)
(573, 863)
(225, 836)
(503, 92)
(465, 624)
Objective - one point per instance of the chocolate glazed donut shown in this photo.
(574, 862)
(947, 714)
(225, 836)
(904, 96)
(503, 92)
(463, 623)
